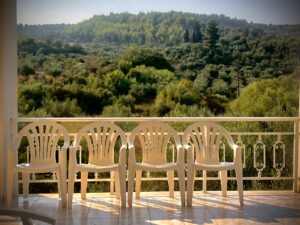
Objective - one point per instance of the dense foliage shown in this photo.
(214, 60)
(147, 28)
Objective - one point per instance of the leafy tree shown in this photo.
(143, 74)
(205, 79)
(117, 110)
(143, 92)
(54, 68)
(182, 92)
(117, 82)
(67, 108)
(190, 111)
(147, 57)
(270, 97)
(31, 96)
(26, 70)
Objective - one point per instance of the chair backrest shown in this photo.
(154, 138)
(43, 137)
(206, 138)
(101, 138)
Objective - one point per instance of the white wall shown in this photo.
(8, 82)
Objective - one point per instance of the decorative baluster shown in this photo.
(27, 152)
(54, 175)
(80, 154)
(279, 145)
(34, 146)
(222, 147)
(260, 147)
(243, 149)
(173, 153)
(148, 174)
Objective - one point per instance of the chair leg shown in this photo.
(122, 184)
(112, 183)
(60, 187)
(64, 181)
(138, 179)
(84, 176)
(204, 182)
(181, 178)
(190, 185)
(223, 175)
(239, 180)
(25, 179)
(54, 177)
(117, 183)
(71, 178)
(131, 175)
(10, 182)
(170, 174)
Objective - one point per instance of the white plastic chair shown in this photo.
(101, 138)
(43, 137)
(154, 138)
(206, 138)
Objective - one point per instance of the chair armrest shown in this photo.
(180, 154)
(64, 148)
(123, 147)
(131, 157)
(72, 154)
(235, 147)
(179, 146)
(180, 149)
(131, 147)
(188, 147)
(122, 155)
(74, 148)
(237, 155)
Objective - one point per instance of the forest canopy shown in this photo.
(154, 64)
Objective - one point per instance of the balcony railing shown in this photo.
(267, 154)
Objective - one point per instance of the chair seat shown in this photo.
(27, 167)
(160, 167)
(97, 168)
(215, 167)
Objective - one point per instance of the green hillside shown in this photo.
(152, 28)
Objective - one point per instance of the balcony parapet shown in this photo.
(267, 156)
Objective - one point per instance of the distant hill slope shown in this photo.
(145, 28)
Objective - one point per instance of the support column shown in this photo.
(298, 76)
(296, 156)
(8, 84)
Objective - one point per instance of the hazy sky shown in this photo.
(74, 11)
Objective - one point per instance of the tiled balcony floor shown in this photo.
(261, 207)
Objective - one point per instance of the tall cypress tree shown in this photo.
(211, 34)
(186, 36)
(196, 36)
(210, 42)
